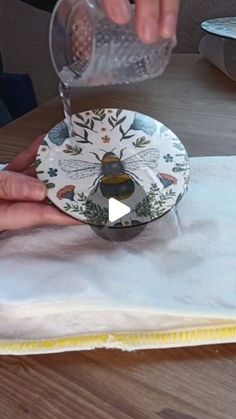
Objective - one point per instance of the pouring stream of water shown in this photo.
(65, 95)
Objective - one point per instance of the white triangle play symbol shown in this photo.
(117, 210)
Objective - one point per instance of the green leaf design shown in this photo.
(92, 124)
(124, 134)
(84, 138)
(88, 124)
(82, 197)
(115, 121)
(76, 151)
(140, 142)
(122, 131)
(85, 134)
(156, 203)
(79, 124)
(100, 114)
(118, 112)
(178, 146)
(72, 151)
(37, 163)
(179, 168)
(179, 198)
(111, 122)
(73, 208)
(40, 172)
(94, 212)
(80, 117)
(120, 121)
(103, 116)
(51, 185)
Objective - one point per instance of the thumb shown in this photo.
(19, 187)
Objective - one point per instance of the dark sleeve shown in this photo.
(47, 5)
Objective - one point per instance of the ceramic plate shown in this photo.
(225, 26)
(116, 153)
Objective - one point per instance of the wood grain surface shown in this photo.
(198, 103)
(190, 383)
(192, 98)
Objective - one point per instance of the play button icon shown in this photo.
(117, 210)
(111, 210)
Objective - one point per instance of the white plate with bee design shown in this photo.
(113, 153)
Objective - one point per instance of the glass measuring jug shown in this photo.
(88, 49)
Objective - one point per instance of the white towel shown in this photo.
(66, 288)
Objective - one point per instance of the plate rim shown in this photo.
(214, 32)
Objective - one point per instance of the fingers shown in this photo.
(19, 215)
(118, 10)
(26, 157)
(154, 18)
(51, 215)
(147, 20)
(31, 171)
(19, 187)
(16, 215)
(169, 18)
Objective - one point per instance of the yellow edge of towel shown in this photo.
(124, 341)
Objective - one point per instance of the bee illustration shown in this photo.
(114, 175)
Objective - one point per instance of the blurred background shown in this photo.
(24, 27)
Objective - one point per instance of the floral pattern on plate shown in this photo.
(109, 147)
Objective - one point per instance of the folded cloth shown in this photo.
(221, 52)
(174, 285)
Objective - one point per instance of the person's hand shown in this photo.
(22, 196)
(155, 18)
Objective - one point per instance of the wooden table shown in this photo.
(199, 104)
